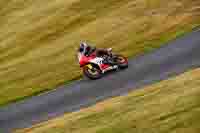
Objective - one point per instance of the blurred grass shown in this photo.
(38, 39)
(169, 106)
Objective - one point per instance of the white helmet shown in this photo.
(84, 47)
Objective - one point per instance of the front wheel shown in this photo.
(92, 72)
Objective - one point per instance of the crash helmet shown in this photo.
(84, 47)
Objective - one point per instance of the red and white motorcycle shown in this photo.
(94, 67)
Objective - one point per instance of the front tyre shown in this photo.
(92, 72)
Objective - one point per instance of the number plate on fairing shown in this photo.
(97, 60)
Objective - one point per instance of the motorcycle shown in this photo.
(95, 67)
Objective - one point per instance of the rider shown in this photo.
(87, 50)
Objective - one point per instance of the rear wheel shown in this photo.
(121, 61)
(92, 72)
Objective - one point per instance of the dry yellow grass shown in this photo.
(38, 38)
(169, 106)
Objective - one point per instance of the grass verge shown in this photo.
(169, 106)
(38, 39)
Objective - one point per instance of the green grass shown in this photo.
(171, 106)
(38, 39)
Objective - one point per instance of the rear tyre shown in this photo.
(94, 73)
(121, 61)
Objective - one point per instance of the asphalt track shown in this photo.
(176, 57)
